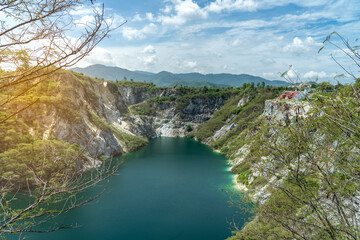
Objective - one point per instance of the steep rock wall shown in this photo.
(94, 114)
(241, 145)
(283, 111)
(135, 95)
(71, 117)
(200, 110)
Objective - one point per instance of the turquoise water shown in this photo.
(171, 189)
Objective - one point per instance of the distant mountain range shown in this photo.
(171, 79)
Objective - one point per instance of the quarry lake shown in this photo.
(170, 189)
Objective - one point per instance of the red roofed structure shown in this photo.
(288, 95)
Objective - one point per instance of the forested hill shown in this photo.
(171, 79)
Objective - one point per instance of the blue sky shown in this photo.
(259, 37)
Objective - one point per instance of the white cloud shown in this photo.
(148, 60)
(167, 9)
(100, 55)
(228, 68)
(218, 6)
(313, 74)
(150, 17)
(115, 20)
(149, 29)
(186, 11)
(149, 49)
(84, 20)
(149, 55)
(130, 33)
(81, 10)
(190, 64)
(236, 42)
(210, 36)
(304, 3)
(84, 9)
(299, 46)
(231, 5)
(86, 14)
(137, 18)
(304, 17)
(269, 75)
(268, 61)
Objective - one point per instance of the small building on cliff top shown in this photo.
(295, 95)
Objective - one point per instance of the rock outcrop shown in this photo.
(134, 95)
(199, 110)
(283, 111)
(95, 115)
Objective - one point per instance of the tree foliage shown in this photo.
(315, 170)
(37, 39)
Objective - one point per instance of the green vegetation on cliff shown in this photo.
(306, 171)
(241, 115)
(56, 99)
(131, 142)
(17, 142)
(40, 161)
(182, 97)
(26, 158)
(136, 84)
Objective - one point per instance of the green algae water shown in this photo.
(171, 189)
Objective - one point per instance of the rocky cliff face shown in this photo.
(276, 115)
(290, 161)
(244, 146)
(133, 95)
(168, 121)
(199, 110)
(71, 118)
(96, 115)
(284, 111)
(100, 119)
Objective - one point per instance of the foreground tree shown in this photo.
(315, 161)
(37, 39)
